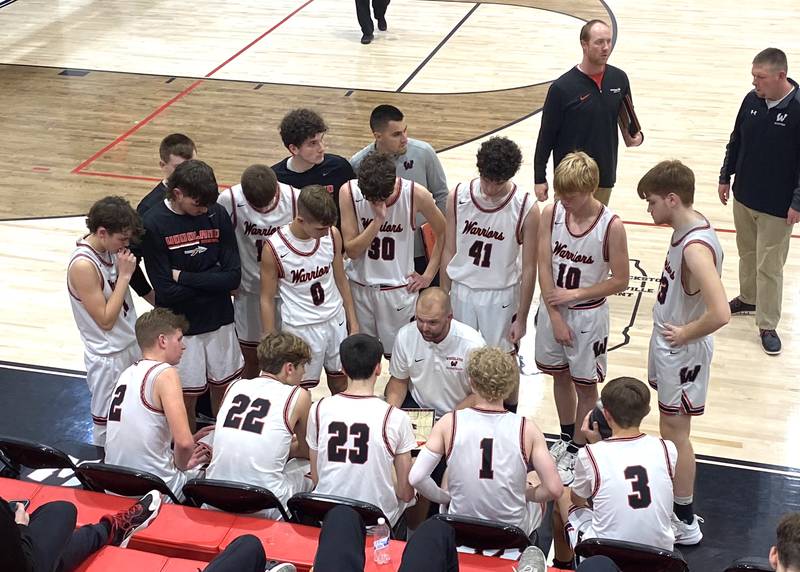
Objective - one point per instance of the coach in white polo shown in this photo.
(428, 368)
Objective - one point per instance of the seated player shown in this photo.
(583, 259)
(361, 446)
(489, 451)
(379, 212)
(173, 150)
(262, 423)
(429, 359)
(305, 268)
(147, 413)
(98, 275)
(258, 206)
(490, 253)
(193, 262)
(785, 555)
(303, 134)
(627, 478)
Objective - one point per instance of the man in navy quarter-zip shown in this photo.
(764, 155)
(581, 113)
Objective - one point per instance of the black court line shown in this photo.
(437, 48)
(625, 331)
(39, 368)
(6, 3)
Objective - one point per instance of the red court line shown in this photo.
(182, 94)
(118, 176)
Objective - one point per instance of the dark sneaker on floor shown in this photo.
(770, 342)
(124, 524)
(382, 24)
(739, 308)
(366, 38)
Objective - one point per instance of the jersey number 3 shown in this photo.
(640, 485)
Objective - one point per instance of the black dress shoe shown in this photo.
(366, 38)
(382, 24)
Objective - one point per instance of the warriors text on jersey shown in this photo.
(390, 257)
(487, 240)
(253, 228)
(306, 284)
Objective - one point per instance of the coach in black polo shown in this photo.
(763, 155)
(581, 113)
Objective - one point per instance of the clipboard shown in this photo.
(628, 121)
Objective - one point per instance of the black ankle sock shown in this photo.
(567, 431)
(573, 447)
(569, 565)
(685, 512)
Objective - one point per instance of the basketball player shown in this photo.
(488, 452)
(628, 478)
(174, 150)
(262, 423)
(361, 446)
(379, 212)
(489, 223)
(147, 413)
(303, 133)
(580, 241)
(192, 259)
(305, 268)
(258, 206)
(98, 275)
(429, 359)
(690, 306)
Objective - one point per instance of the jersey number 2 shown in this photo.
(640, 485)
(254, 420)
(339, 432)
(115, 411)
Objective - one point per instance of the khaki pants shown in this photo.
(603, 194)
(763, 244)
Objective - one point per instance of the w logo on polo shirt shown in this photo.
(408, 164)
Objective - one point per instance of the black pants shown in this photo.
(55, 542)
(342, 541)
(364, 17)
(245, 554)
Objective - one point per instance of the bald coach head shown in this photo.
(434, 314)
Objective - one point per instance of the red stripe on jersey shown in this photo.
(227, 379)
(588, 230)
(234, 216)
(495, 209)
(97, 253)
(412, 213)
(521, 221)
(455, 218)
(705, 226)
(683, 271)
(287, 406)
(316, 416)
(152, 408)
(278, 265)
(595, 470)
(294, 202)
(385, 435)
(395, 193)
(605, 237)
(452, 436)
(666, 458)
(293, 249)
(522, 444)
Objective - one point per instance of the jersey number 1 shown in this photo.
(487, 446)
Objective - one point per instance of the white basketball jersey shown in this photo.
(137, 434)
(674, 303)
(305, 278)
(252, 435)
(97, 340)
(630, 483)
(580, 260)
(488, 240)
(252, 228)
(487, 467)
(390, 257)
(356, 439)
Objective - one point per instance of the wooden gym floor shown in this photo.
(89, 88)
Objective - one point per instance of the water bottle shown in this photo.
(380, 542)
